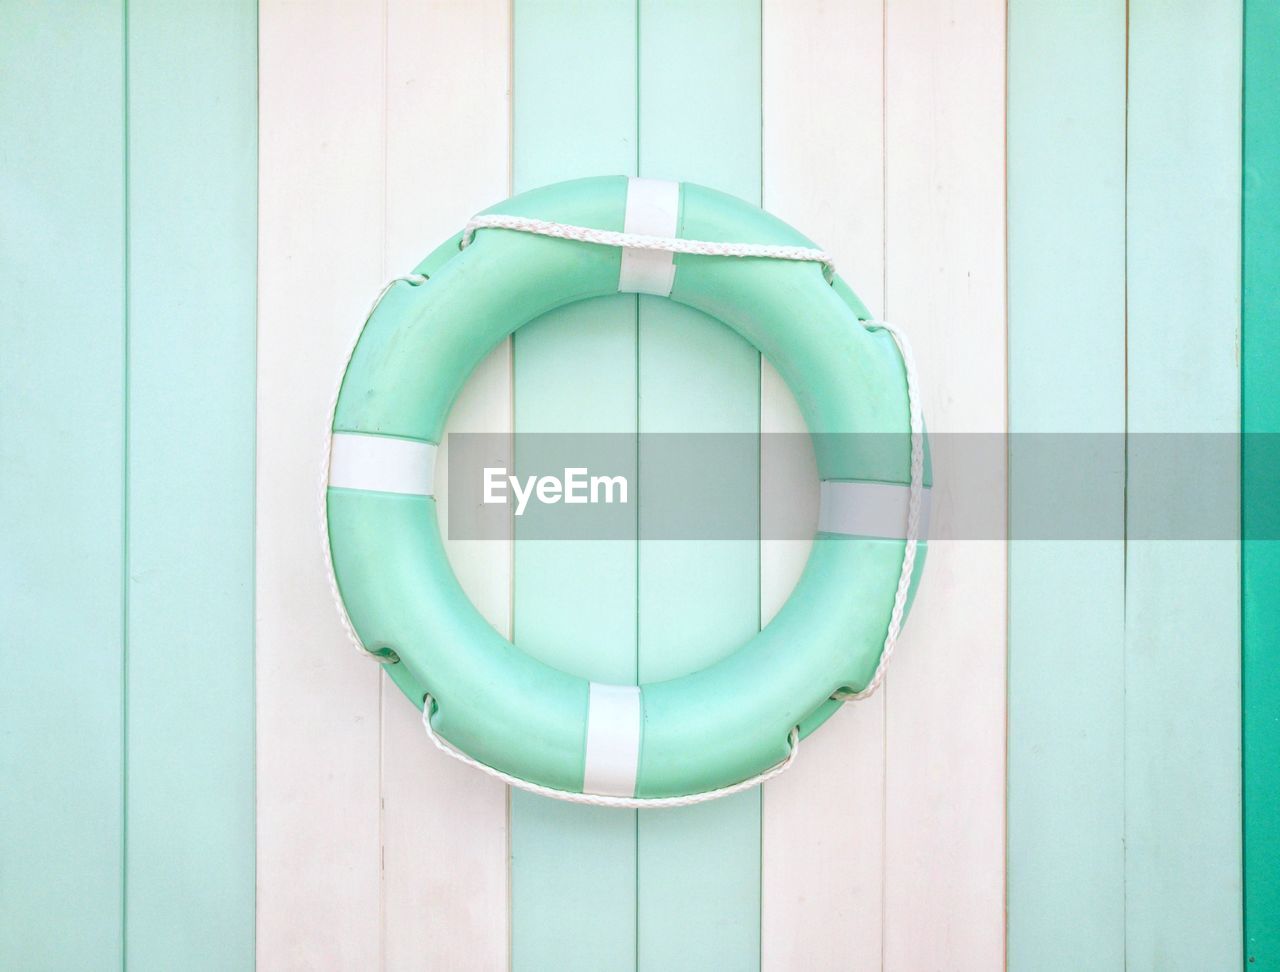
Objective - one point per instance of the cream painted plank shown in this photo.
(945, 702)
(448, 149)
(320, 263)
(445, 847)
(1182, 597)
(823, 823)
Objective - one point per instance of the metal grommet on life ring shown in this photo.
(663, 743)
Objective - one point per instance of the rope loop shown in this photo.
(915, 413)
(637, 241)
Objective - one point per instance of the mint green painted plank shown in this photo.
(699, 867)
(1066, 209)
(1261, 468)
(1182, 651)
(192, 291)
(573, 868)
(62, 339)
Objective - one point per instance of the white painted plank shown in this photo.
(823, 823)
(448, 156)
(321, 260)
(945, 702)
(448, 151)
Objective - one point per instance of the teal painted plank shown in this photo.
(1066, 209)
(698, 867)
(1261, 469)
(62, 339)
(573, 868)
(1182, 651)
(192, 331)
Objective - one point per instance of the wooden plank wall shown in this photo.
(573, 869)
(189, 781)
(348, 101)
(1182, 598)
(155, 143)
(909, 195)
(945, 282)
(698, 868)
(824, 820)
(1124, 847)
(444, 860)
(64, 522)
(373, 850)
(128, 367)
(1261, 464)
(1066, 378)
(684, 880)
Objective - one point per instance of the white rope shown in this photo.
(916, 418)
(416, 279)
(637, 241)
(610, 238)
(618, 802)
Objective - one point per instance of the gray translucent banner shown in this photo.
(1068, 486)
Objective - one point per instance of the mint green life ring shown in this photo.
(509, 712)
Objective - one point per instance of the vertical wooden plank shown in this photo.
(1066, 199)
(320, 263)
(61, 495)
(1182, 652)
(945, 696)
(1261, 465)
(698, 867)
(448, 152)
(573, 877)
(823, 823)
(192, 184)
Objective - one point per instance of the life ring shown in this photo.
(709, 732)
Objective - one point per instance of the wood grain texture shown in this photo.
(62, 526)
(192, 159)
(321, 261)
(1066, 199)
(573, 868)
(945, 696)
(444, 826)
(444, 840)
(1182, 839)
(698, 867)
(405, 158)
(1260, 590)
(823, 823)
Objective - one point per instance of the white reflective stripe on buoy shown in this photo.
(653, 209)
(382, 464)
(869, 509)
(613, 740)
